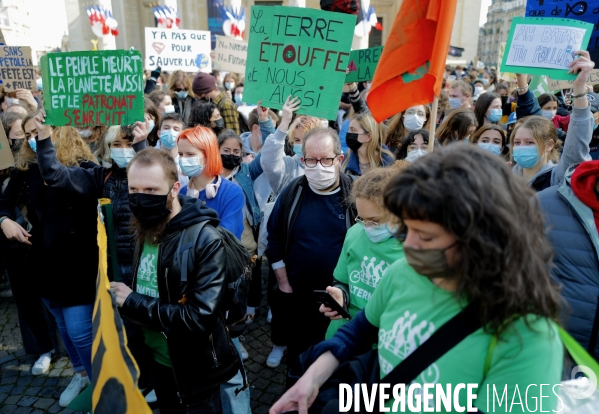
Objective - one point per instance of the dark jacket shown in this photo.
(200, 349)
(353, 163)
(64, 251)
(96, 182)
(184, 107)
(575, 241)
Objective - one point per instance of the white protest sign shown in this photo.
(544, 46)
(186, 50)
(231, 54)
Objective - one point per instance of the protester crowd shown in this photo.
(400, 239)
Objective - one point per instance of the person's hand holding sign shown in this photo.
(291, 105)
(583, 66)
(141, 131)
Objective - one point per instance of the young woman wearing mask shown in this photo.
(549, 103)
(412, 119)
(490, 81)
(447, 266)
(415, 146)
(183, 97)
(491, 138)
(370, 244)
(457, 126)
(162, 100)
(366, 150)
(64, 226)
(153, 115)
(534, 143)
(488, 109)
(200, 160)
(229, 83)
(238, 96)
(207, 115)
(13, 128)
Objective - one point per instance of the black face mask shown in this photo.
(230, 161)
(351, 139)
(504, 100)
(149, 209)
(219, 125)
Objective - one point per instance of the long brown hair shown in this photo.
(71, 150)
(396, 130)
(503, 254)
(179, 76)
(459, 120)
(483, 103)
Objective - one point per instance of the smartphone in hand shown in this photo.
(324, 297)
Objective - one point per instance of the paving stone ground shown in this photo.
(23, 393)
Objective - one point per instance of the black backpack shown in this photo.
(238, 275)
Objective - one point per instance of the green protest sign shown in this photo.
(362, 64)
(300, 52)
(544, 46)
(93, 88)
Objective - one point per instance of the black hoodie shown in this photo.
(192, 212)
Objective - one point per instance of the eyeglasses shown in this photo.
(325, 162)
(414, 112)
(366, 223)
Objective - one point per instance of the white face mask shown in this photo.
(86, 133)
(413, 122)
(322, 178)
(414, 155)
(548, 113)
(478, 90)
(169, 109)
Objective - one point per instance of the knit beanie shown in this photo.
(203, 83)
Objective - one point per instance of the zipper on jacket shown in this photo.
(216, 363)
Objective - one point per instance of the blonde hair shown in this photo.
(374, 149)
(303, 123)
(114, 132)
(543, 131)
(71, 150)
(179, 76)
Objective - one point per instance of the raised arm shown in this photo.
(527, 103)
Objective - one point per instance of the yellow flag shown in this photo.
(115, 372)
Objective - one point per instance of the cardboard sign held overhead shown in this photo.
(555, 85)
(186, 50)
(16, 68)
(362, 64)
(299, 52)
(231, 54)
(93, 88)
(544, 46)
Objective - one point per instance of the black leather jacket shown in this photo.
(200, 348)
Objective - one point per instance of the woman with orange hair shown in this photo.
(200, 160)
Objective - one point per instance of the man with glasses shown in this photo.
(306, 231)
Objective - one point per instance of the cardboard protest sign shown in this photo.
(2, 41)
(555, 84)
(362, 64)
(186, 50)
(93, 88)
(300, 52)
(231, 54)
(6, 158)
(585, 11)
(16, 68)
(544, 46)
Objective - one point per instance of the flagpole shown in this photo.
(433, 125)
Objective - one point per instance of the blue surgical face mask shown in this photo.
(168, 138)
(455, 103)
(238, 98)
(182, 94)
(495, 115)
(379, 233)
(32, 144)
(297, 148)
(122, 156)
(152, 125)
(494, 148)
(191, 166)
(526, 156)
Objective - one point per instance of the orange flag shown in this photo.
(410, 70)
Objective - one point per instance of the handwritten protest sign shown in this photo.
(16, 68)
(585, 11)
(300, 52)
(231, 54)
(93, 88)
(544, 46)
(555, 84)
(6, 158)
(362, 64)
(186, 50)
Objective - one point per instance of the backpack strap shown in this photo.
(580, 356)
(107, 176)
(186, 242)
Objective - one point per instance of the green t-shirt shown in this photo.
(147, 284)
(362, 265)
(408, 308)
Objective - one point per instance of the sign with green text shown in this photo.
(362, 64)
(93, 88)
(300, 52)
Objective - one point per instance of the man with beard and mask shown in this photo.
(306, 231)
(204, 86)
(180, 313)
